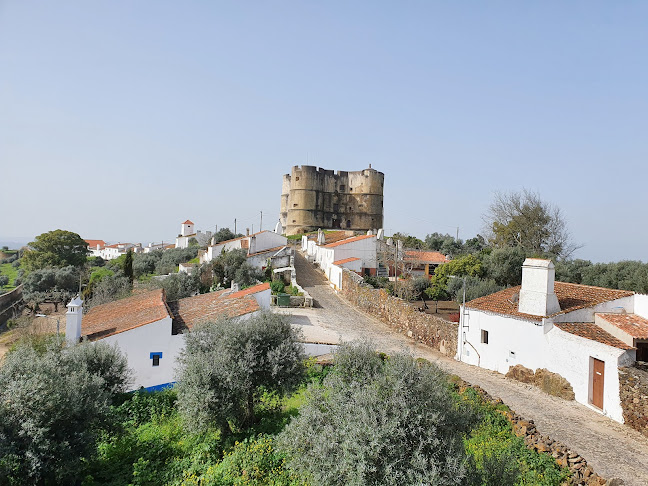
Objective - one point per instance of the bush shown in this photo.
(177, 285)
(4, 280)
(52, 405)
(393, 423)
(226, 366)
(277, 287)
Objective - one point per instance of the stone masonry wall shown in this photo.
(633, 382)
(398, 314)
(581, 473)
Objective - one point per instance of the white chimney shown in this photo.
(381, 234)
(235, 286)
(537, 296)
(73, 318)
(320, 237)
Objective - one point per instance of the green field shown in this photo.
(11, 272)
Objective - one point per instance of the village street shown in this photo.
(612, 449)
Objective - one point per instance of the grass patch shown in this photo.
(499, 453)
(10, 271)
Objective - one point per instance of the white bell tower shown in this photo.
(73, 318)
(187, 228)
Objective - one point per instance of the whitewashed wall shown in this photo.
(543, 346)
(641, 305)
(137, 344)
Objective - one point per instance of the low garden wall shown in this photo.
(581, 473)
(398, 314)
(633, 382)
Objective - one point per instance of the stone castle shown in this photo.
(313, 198)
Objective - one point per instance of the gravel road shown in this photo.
(612, 449)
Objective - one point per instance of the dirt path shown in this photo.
(612, 449)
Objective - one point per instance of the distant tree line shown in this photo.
(517, 225)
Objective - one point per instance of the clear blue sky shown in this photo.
(119, 120)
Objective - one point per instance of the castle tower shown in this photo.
(313, 197)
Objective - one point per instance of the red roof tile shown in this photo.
(346, 260)
(188, 222)
(209, 307)
(425, 256)
(125, 314)
(269, 250)
(591, 331)
(571, 297)
(636, 326)
(348, 240)
(249, 291)
(93, 243)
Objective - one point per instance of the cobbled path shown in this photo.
(612, 449)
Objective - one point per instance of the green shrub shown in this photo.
(277, 287)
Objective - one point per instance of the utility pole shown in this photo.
(457, 233)
(235, 226)
(261, 225)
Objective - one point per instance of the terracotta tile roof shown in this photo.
(93, 243)
(121, 315)
(269, 250)
(349, 240)
(636, 326)
(243, 243)
(249, 291)
(346, 260)
(188, 222)
(571, 297)
(591, 331)
(209, 307)
(425, 256)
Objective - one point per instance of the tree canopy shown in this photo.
(58, 248)
(523, 219)
(51, 407)
(375, 422)
(227, 365)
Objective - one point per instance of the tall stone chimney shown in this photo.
(537, 296)
(73, 318)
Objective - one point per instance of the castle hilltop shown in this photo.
(312, 198)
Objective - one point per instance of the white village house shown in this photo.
(151, 331)
(261, 248)
(580, 332)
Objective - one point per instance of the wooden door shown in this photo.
(598, 376)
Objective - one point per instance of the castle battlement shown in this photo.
(313, 197)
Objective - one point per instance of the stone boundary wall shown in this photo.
(7, 301)
(633, 384)
(398, 314)
(581, 473)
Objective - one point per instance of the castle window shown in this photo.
(297, 178)
(295, 205)
(348, 223)
(294, 220)
(336, 208)
(350, 189)
(342, 187)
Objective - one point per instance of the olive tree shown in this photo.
(389, 423)
(227, 364)
(52, 407)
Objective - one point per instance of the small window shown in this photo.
(348, 224)
(297, 178)
(294, 205)
(484, 336)
(342, 187)
(512, 354)
(155, 357)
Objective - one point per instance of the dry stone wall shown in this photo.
(398, 314)
(633, 382)
(581, 473)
